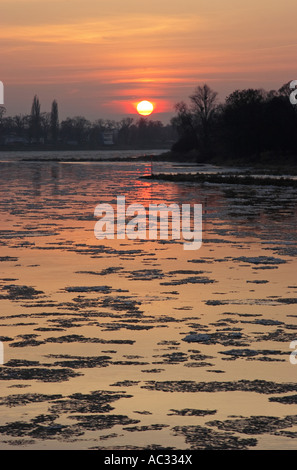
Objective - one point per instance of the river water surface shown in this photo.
(134, 344)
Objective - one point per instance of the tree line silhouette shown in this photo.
(251, 124)
(43, 129)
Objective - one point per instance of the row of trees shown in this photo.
(45, 128)
(34, 127)
(250, 123)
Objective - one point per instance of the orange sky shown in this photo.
(98, 57)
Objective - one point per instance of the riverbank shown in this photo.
(220, 178)
(95, 156)
(142, 157)
(264, 162)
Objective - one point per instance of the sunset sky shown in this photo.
(99, 58)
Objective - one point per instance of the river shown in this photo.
(136, 344)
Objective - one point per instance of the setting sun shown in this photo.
(145, 108)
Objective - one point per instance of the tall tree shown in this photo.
(194, 123)
(54, 122)
(184, 124)
(35, 127)
(45, 122)
(204, 102)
